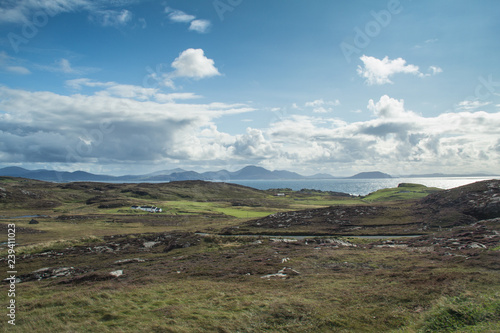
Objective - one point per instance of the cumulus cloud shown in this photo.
(377, 71)
(192, 63)
(388, 107)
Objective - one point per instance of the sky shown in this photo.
(135, 86)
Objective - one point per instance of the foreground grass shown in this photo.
(217, 286)
(471, 313)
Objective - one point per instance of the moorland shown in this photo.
(228, 258)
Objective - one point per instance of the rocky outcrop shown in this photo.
(462, 205)
(334, 216)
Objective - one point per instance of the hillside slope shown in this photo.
(459, 206)
(462, 205)
(19, 193)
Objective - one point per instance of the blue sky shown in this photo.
(132, 86)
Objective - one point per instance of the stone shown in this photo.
(149, 245)
(126, 261)
(116, 273)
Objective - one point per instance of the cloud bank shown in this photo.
(125, 124)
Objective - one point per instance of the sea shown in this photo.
(357, 186)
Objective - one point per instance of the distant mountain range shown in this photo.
(247, 173)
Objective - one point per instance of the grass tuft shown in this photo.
(451, 314)
(57, 245)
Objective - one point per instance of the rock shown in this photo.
(116, 273)
(284, 273)
(288, 271)
(149, 245)
(102, 249)
(476, 246)
(41, 270)
(63, 271)
(127, 261)
(276, 275)
(283, 240)
(343, 243)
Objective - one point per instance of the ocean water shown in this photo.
(357, 186)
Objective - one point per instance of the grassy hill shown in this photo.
(404, 191)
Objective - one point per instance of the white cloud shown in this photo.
(62, 66)
(65, 66)
(129, 91)
(320, 106)
(377, 71)
(192, 63)
(20, 11)
(124, 124)
(142, 23)
(200, 26)
(471, 105)
(388, 107)
(428, 41)
(112, 18)
(178, 16)
(102, 128)
(79, 83)
(18, 70)
(315, 103)
(397, 140)
(435, 70)
(175, 96)
(12, 64)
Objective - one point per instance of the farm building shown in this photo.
(151, 209)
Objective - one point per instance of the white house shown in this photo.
(151, 209)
